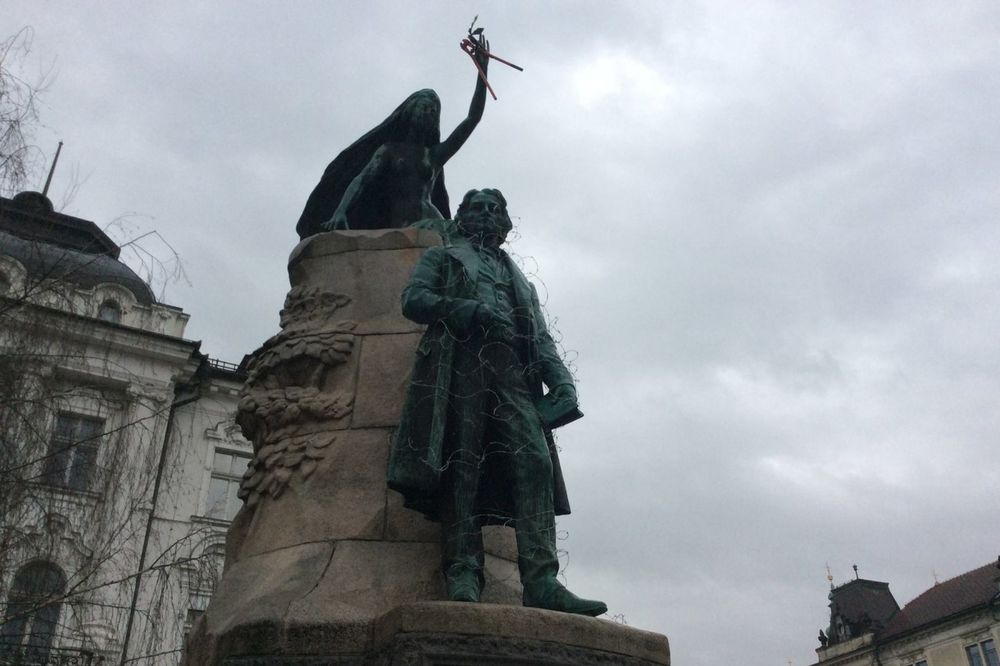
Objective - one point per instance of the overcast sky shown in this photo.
(766, 233)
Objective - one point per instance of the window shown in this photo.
(5, 284)
(110, 311)
(192, 616)
(202, 583)
(227, 472)
(922, 662)
(72, 458)
(33, 609)
(983, 654)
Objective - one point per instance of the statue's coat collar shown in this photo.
(466, 254)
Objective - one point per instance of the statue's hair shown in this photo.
(398, 122)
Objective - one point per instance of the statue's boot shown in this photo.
(539, 566)
(535, 528)
(553, 596)
(462, 534)
(463, 584)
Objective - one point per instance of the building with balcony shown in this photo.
(119, 457)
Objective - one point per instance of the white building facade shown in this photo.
(119, 457)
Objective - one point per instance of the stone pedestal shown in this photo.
(444, 633)
(323, 564)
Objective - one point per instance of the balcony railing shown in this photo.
(224, 366)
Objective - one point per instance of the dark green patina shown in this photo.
(393, 176)
(474, 445)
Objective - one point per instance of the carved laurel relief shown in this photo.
(298, 382)
(275, 465)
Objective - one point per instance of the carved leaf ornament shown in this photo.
(286, 392)
(275, 465)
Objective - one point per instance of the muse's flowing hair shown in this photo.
(342, 170)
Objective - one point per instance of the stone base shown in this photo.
(447, 633)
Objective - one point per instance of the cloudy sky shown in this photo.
(766, 234)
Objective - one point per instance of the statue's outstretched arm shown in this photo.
(374, 167)
(444, 150)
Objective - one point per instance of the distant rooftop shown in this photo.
(862, 597)
(53, 245)
(971, 590)
(858, 607)
(862, 607)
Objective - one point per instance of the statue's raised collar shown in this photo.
(466, 253)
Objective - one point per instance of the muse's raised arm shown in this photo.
(444, 150)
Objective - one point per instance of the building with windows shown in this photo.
(119, 456)
(954, 623)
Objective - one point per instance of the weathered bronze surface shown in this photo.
(472, 447)
(393, 175)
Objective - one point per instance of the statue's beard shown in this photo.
(488, 233)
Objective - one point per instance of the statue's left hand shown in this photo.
(565, 392)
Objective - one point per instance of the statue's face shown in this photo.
(425, 112)
(484, 218)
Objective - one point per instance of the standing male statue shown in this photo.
(474, 446)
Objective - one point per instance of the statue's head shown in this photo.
(482, 216)
(418, 115)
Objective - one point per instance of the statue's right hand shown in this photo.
(338, 221)
(488, 315)
(497, 324)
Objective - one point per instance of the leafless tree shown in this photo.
(20, 159)
(86, 456)
(86, 448)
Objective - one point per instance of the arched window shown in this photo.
(110, 311)
(32, 613)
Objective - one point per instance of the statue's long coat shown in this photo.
(442, 294)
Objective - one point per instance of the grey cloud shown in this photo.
(765, 232)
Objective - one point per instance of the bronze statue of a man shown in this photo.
(474, 446)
